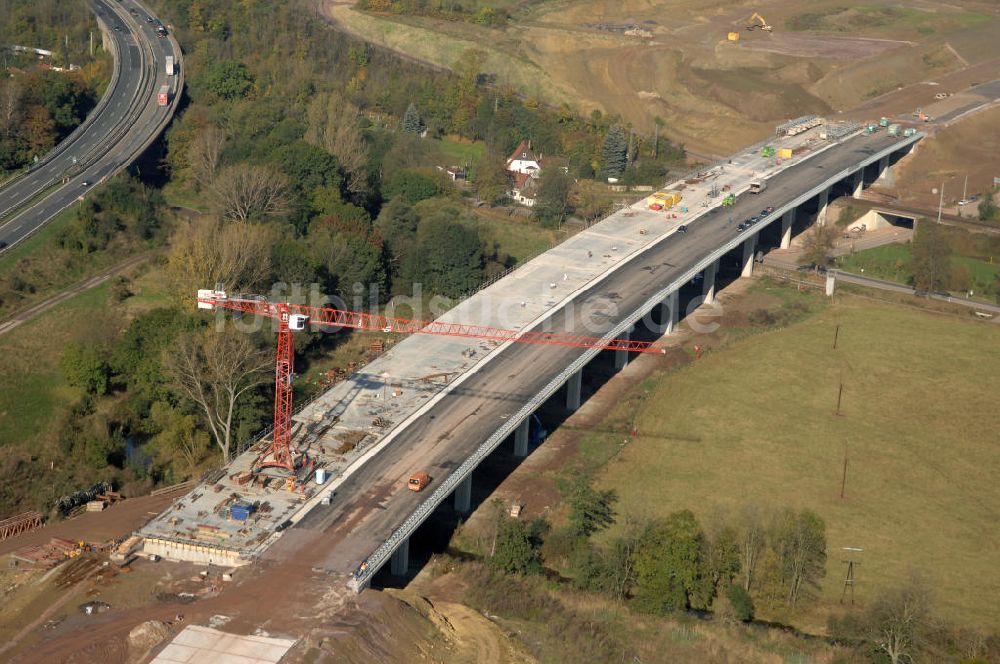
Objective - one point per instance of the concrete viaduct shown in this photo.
(694, 265)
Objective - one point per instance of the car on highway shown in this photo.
(85, 183)
(118, 28)
(682, 228)
(3, 244)
(766, 211)
(741, 227)
(149, 19)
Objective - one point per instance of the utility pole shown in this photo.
(965, 187)
(851, 564)
(941, 202)
(91, 43)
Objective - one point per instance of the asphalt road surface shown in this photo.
(122, 124)
(374, 501)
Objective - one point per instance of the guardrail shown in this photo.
(381, 555)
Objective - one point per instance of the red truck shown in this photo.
(163, 96)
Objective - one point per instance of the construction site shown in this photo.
(235, 514)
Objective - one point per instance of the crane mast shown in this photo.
(295, 317)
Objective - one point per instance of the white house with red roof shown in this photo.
(523, 160)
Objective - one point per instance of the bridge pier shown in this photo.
(859, 183)
(573, 387)
(672, 315)
(708, 283)
(787, 220)
(749, 246)
(521, 438)
(463, 495)
(883, 168)
(621, 356)
(824, 203)
(399, 564)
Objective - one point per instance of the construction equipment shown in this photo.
(763, 24)
(894, 130)
(296, 317)
(909, 131)
(871, 128)
(767, 152)
(733, 36)
(883, 122)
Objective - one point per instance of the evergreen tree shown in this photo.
(613, 156)
(411, 120)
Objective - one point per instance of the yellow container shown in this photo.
(785, 153)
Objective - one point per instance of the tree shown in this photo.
(85, 367)
(204, 154)
(898, 620)
(987, 208)
(229, 79)
(10, 106)
(492, 181)
(515, 552)
(206, 252)
(553, 197)
(214, 369)
(411, 120)
(818, 244)
(244, 192)
(449, 258)
(659, 124)
(670, 567)
(750, 540)
(931, 261)
(590, 511)
(613, 154)
(741, 602)
(412, 186)
(799, 540)
(177, 437)
(334, 126)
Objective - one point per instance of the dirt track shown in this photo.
(823, 46)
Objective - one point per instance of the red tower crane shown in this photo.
(295, 317)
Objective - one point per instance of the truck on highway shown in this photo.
(163, 96)
(170, 65)
(757, 186)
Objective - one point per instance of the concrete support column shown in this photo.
(883, 168)
(621, 356)
(670, 312)
(521, 438)
(573, 386)
(399, 564)
(787, 220)
(831, 282)
(463, 495)
(859, 183)
(749, 247)
(708, 283)
(824, 203)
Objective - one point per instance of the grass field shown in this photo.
(755, 423)
(892, 262)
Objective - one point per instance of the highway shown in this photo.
(374, 501)
(123, 124)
